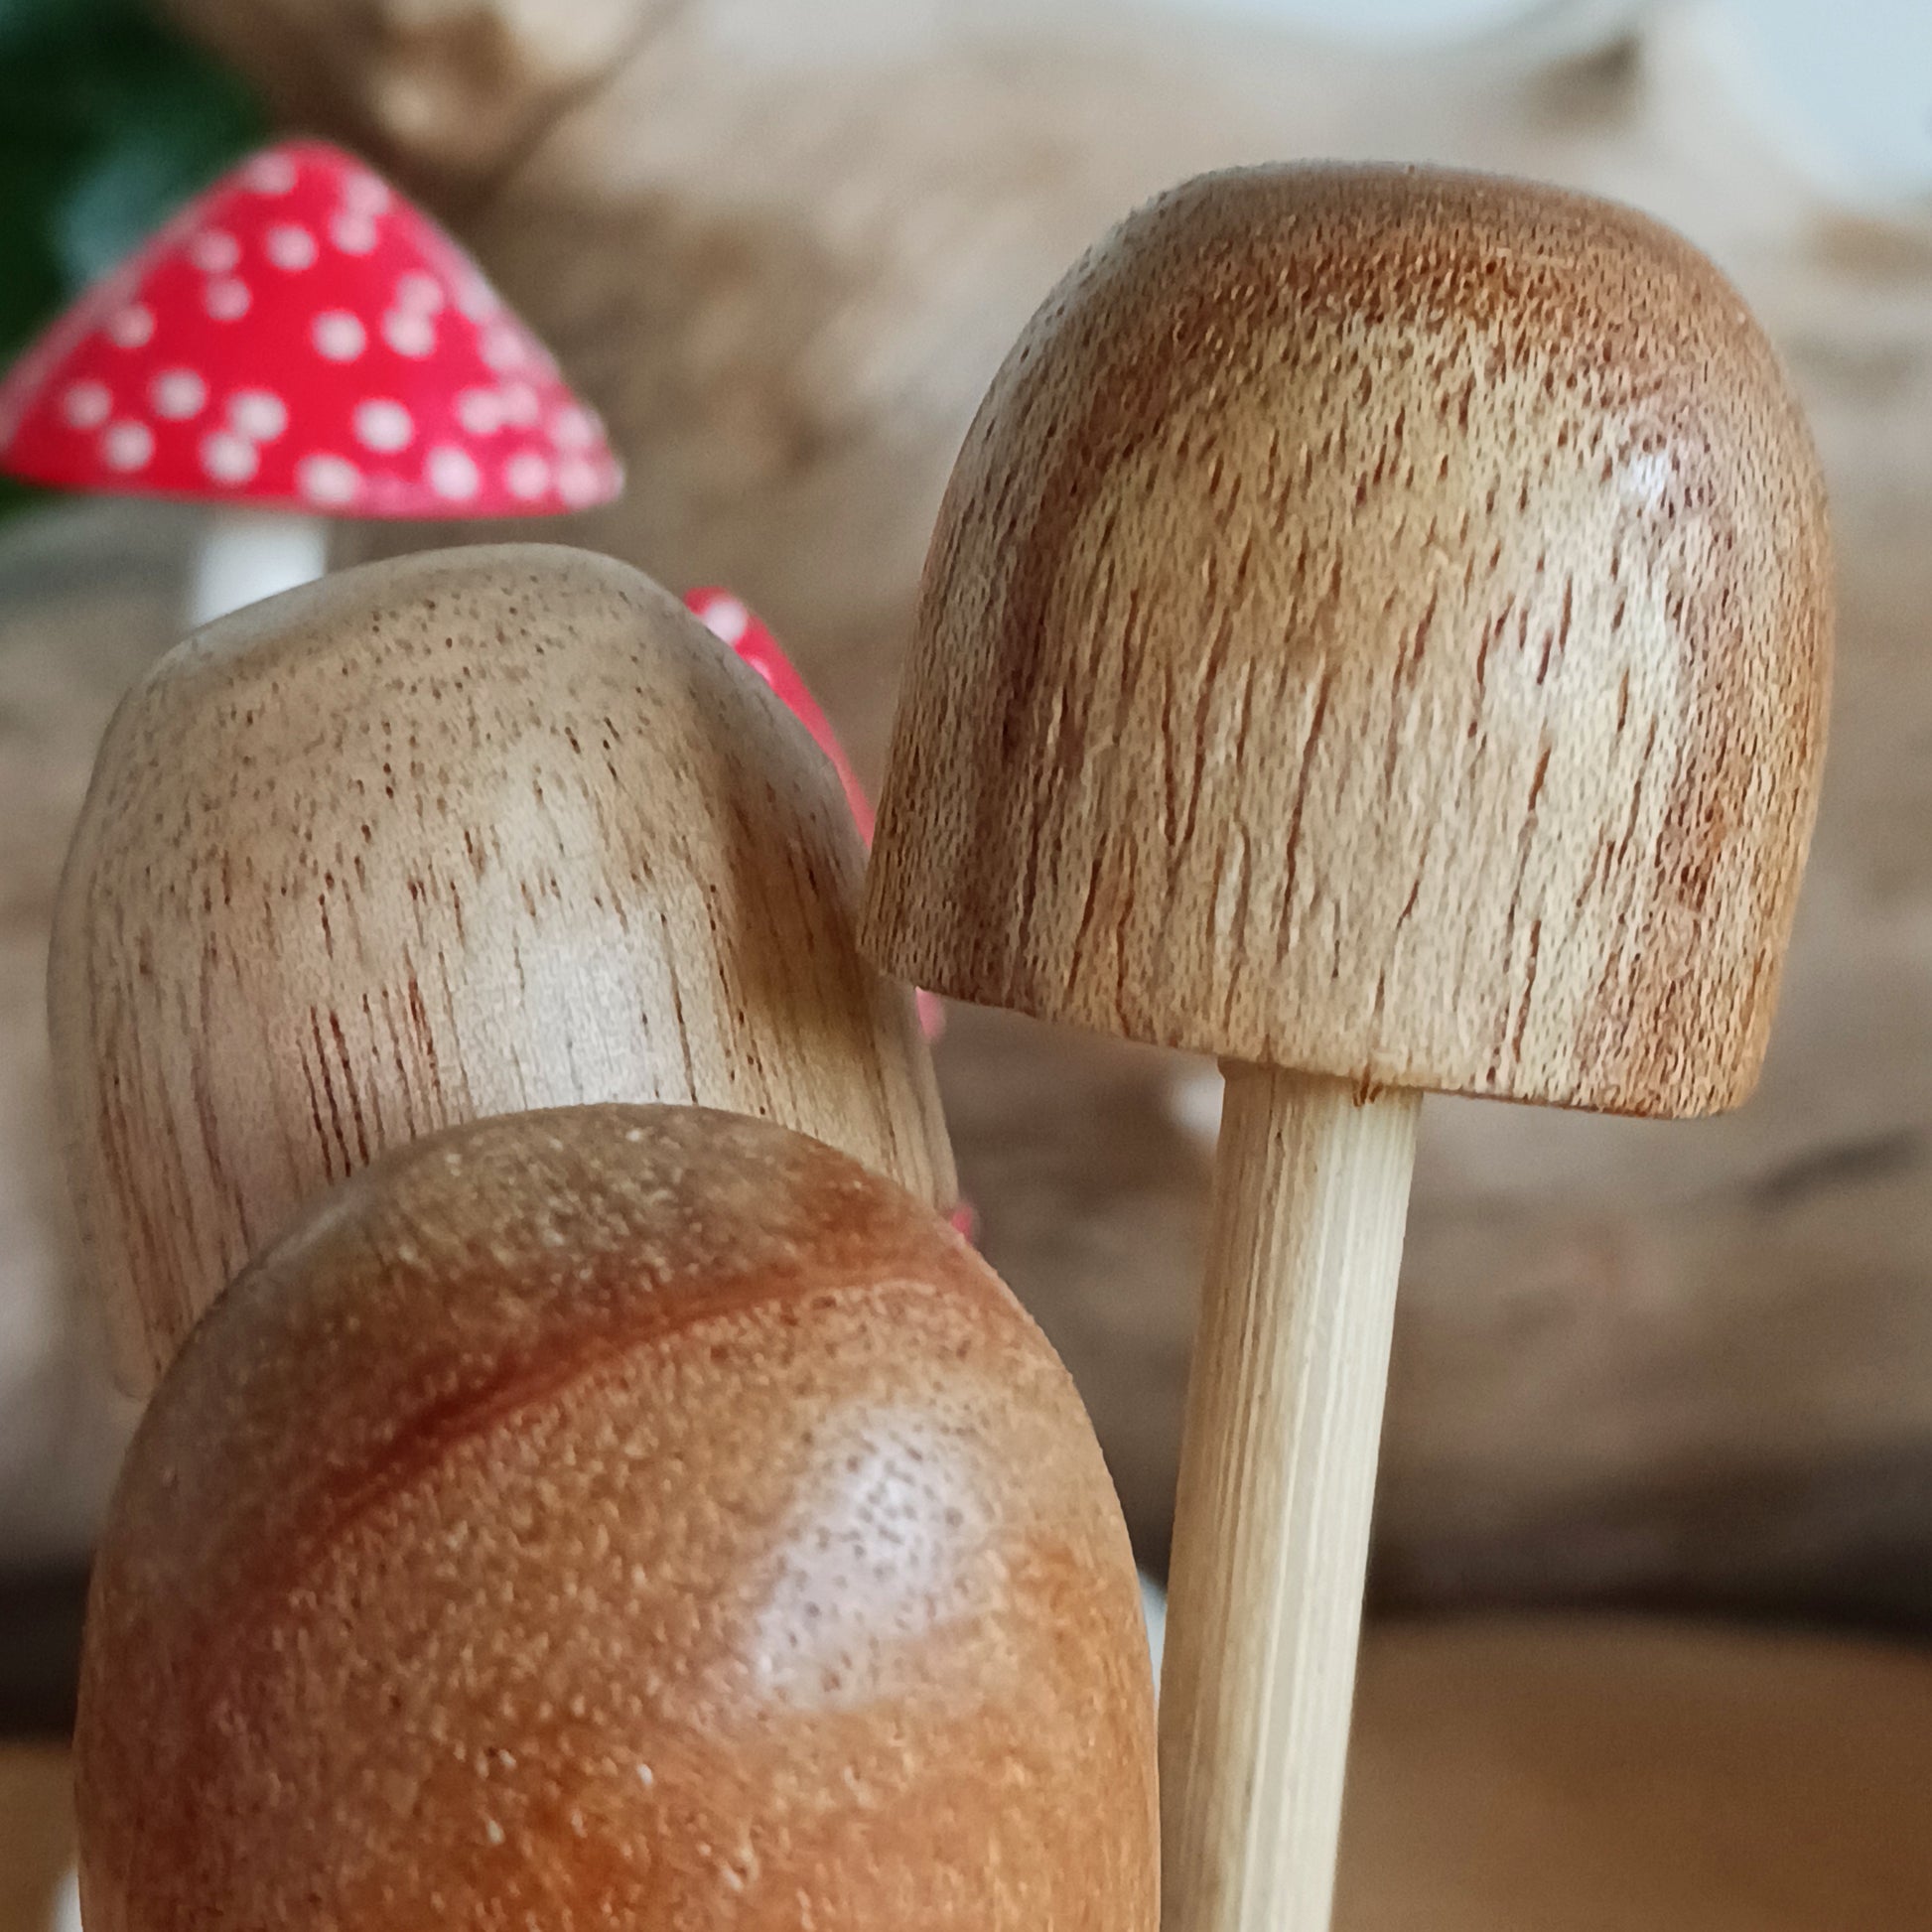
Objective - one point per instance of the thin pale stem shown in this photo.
(249, 554)
(1277, 1484)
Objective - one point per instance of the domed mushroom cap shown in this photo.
(1378, 625)
(617, 1516)
(461, 834)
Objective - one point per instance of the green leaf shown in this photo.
(108, 121)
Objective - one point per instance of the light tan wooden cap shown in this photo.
(617, 1517)
(464, 833)
(1378, 625)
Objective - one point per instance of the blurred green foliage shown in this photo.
(108, 121)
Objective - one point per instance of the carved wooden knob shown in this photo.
(456, 835)
(617, 1516)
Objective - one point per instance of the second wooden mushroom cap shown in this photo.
(461, 834)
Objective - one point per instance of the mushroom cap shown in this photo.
(1378, 625)
(729, 617)
(458, 834)
(617, 1516)
(301, 334)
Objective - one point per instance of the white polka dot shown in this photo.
(257, 414)
(126, 446)
(526, 475)
(270, 173)
(177, 394)
(579, 481)
(227, 457)
(573, 428)
(330, 480)
(521, 404)
(339, 336)
(452, 474)
(290, 246)
(132, 326)
(365, 194)
(408, 332)
(502, 348)
(479, 412)
(226, 299)
(476, 299)
(382, 423)
(85, 405)
(353, 235)
(420, 290)
(214, 251)
(727, 619)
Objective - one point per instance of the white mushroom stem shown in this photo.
(249, 554)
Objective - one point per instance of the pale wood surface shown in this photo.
(1378, 624)
(617, 1517)
(1277, 1482)
(470, 832)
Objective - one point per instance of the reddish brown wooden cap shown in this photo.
(617, 1516)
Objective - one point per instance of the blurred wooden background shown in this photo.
(783, 248)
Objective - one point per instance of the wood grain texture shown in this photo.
(456, 835)
(1277, 1484)
(684, 1528)
(1378, 624)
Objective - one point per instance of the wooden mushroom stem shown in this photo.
(1277, 1484)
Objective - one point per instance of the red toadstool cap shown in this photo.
(300, 335)
(728, 619)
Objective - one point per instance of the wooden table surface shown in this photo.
(36, 1833)
(1580, 1775)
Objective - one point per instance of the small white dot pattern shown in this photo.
(178, 395)
(383, 424)
(126, 446)
(290, 248)
(301, 334)
(228, 458)
(86, 404)
(260, 415)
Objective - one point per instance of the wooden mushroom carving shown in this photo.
(684, 1529)
(462, 834)
(1377, 632)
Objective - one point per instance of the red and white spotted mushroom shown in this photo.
(301, 343)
